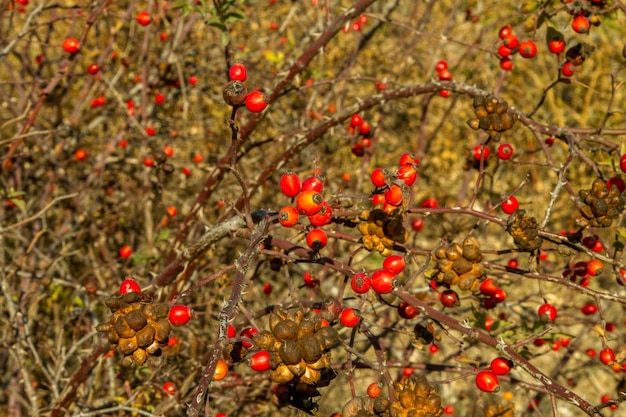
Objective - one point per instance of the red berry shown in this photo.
(309, 202)
(580, 24)
(168, 151)
(394, 263)
(618, 182)
(143, 18)
(547, 312)
(441, 66)
(316, 239)
(527, 49)
(308, 279)
(256, 101)
(488, 287)
(238, 72)
(80, 154)
(322, 217)
(449, 298)
(506, 64)
(93, 69)
(148, 161)
(360, 283)
(505, 151)
(267, 289)
(71, 45)
(383, 281)
(407, 174)
(407, 311)
(315, 183)
(510, 205)
(433, 348)
(125, 251)
(510, 41)
(430, 202)
(481, 151)
(499, 296)
(589, 309)
(373, 390)
(505, 31)
(500, 366)
(248, 333)
(393, 195)
(356, 120)
(567, 69)
(231, 332)
(622, 163)
(349, 317)
(556, 45)
(444, 93)
(365, 128)
(417, 224)
(408, 158)
(513, 263)
(290, 184)
(487, 381)
(159, 98)
(288, 216)
(503, 51)
(129, 285)
(607, 356)
(179, 315)
(595, 267)
(169, 388)
(445, 75)
(260, 361)
(379, 177)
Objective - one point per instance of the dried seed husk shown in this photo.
(129, 297)
(265, 340)
(367, 242)
(161, 310)
(145, 336)
(321, 363)
(297, 316)
(149, 313)
(276, 317)
(310, 348)
(127, 345)
(281, 375)
(506, 121)
(286, 330)
(364, 215)
(105, 327)
(290, 352)
(406, 398)
(461, 266)
(122, 328)
(501, 107)
(154, 349)
(162, 329)
(140, 356)
(363, 228)
(381, 405)
(454, 252)
(275, 359)
(327, 337)
(306, 328)
(113, 337)
(386, 252)
(484, 123)
(441, 253)
(112, 303)
(310, 376)
(481, 112)
(136, 319)
(298, 369)
(474, 123)
(433, 404)
(468, 282)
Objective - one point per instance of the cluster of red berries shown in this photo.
(487, 380)
(357, 25)
(584, 270)
(383, 280)
(444, 75)
(511, 45)
(392, 187)
(308, 202)
(360, 130)
(98, 102)
(236, 93)
(493, 294)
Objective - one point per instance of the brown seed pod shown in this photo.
(468, 282)
(484, 123)
(281, 375)
(286, 330)
(113, 337)
(310, 348)
(235, 93)
(461, 266)
(481, 112)
(129, 297)
(327, 337)
(474, 123)
(290, 352)
(321, 363)
(266, 340)
(136, 319)
(162, 329)
(310, 376)
(441, 253)
(105, 327)
(149, 313)
(154, 349)
(406, 398)
(139, 357)
(298, 369)
(454, 252)
(161, 310)
(381, 405)
(306, 328)
(122, 328)
(145, 336)
(112, 303)
(126, 346)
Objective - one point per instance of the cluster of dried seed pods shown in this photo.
(366, 407)
(499, 410)
(381, 230)
(299, 348)
(460, 264)
(524, 230)
(138, 329)
(414, 397)
(601, 205)
(492, 116)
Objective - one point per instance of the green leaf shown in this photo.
(234, 16)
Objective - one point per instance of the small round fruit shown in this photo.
(383, 281)
(547, 312)
(309, 280)
(93, 69)
(71, 45)
(441, 66)
(349, 317)
(622, 163)
(221, 370)
(288, 216)
(360, 283)
(322, 217)
(248, 332)
(256, 101)
(505, 151)
(169, 388)
(356, 120)
(595, 267)
(179, 315)
(556, 45)
(394, 263)
(407, 174)
(143, 18)
(503, 51)
(445, 75)
(309, 202)
(505, 31)
(527, 49)
(580, 24)
(481, 152)
(417, 224)
(379, 177)
(510, 41)
(80, 154)
(235, 93)
(315, 183)
(393, 195)
(316, 239)
(408, 158)
(260, 361)
(407, 311)
(449, 298)
(506, 64)
(238, 72)
(126, 251)
(290, 184)
(500, 366)
(510, 205)
(373, 390)
(129, 285)
(607, 356)
(487, 381)
(589, 309)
